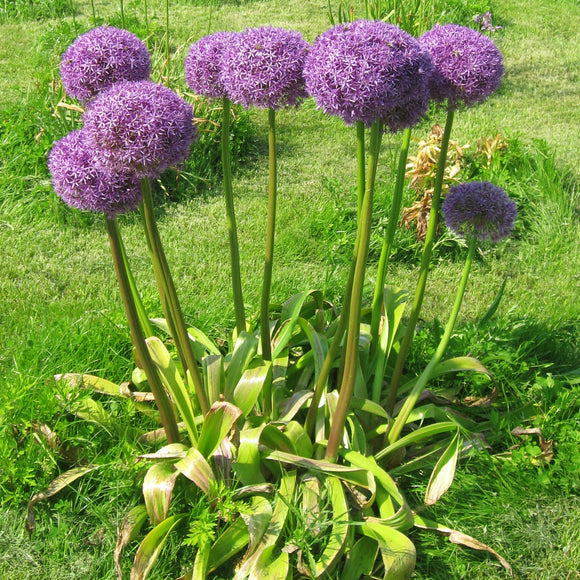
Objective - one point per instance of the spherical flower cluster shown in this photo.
(139, 127)
(262, 67)
(203, 64)
(101, 57)
(479, 209)
(369, 70)
(81, 185)
(468, 65)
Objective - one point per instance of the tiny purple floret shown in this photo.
(203, 64)
(139, 127)
(263, 67)
(480, 209)
(369, 70)
(101, 57)
(468, 65)
(82, 186)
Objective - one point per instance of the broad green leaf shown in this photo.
(460, 538)
(218, 422)
(171, 451)
(174, 383)
(96, 384)
(157, 489)
(279, 372)
(338, 533)
(397, 550)
(57, 484)
(251, 385)
(360, 560)
(368, 406)
(415, 437)
(128, 530)
(275, 527)
(355, 433)
(273, 438)
(214, 377)
(92, 411)
(151, 546)
(247, 465)
(201, 561)
(257, 521)
(199, 337)
(297, 434)
(311, 493)
(229, 543)
(270, 565)
(195, 467)
(291, 406)
(318, 344)
(244, 350)
(444, 472)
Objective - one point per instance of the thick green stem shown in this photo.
(170, 301)
(388, 239)
(425, 262)
(162, 401)
(270, 230)
(352, 337)
(360, 158)
(413, 396)
(122, 15)
(231, 219)
(167, 39)
(146, 22)
(94, 13)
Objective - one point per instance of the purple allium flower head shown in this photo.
(101, 57)
(263, 67)
(81, 185)
(139, 127)
(468, 65)
(479, 209)
(368, 70)
(203, 64)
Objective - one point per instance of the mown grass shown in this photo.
(60, 309)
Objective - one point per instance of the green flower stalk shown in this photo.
(478, 211)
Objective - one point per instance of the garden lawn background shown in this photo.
(60, 309)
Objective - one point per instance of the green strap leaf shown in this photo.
(174, 383)
(360, 560)
(229, 543)
(247, 465)
(244, 350)
(218, 422)
(270, 565)
(129, 528)
(257, 522)
(444, 472)
(214, 377)
(251, 385)
(151, 546)
(157, 489)
(96, 384)
(195, 467)
(299, 438)
(397, 550)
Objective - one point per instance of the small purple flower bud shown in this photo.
(263, 67)
(139, 127)
(81, 185)
(468, 65)
(101, 57)
(369, 70)
(203, 64)
(479, 209)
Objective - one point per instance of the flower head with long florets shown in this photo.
(468, 65)
(263, 67)
(369, 70)
(140, 128)
(101, 57)
(82, 186)
(479, 209)
(203, 64)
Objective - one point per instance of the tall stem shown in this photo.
(360, 159)
(352, 337)
(270, 230)
(388, 238)
(161, 400)
(94, 13)
(170, 301)
(231, 219)
(122, 15)
(167, 39)
(425, 262)
(413, 396)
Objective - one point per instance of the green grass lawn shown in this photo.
(60, 310)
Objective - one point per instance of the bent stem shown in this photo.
(231, 219)
(169, 299)
(413, 396)
(352, 338)
(425, 262)
(164, 406)
(270, 229)
(388, 240)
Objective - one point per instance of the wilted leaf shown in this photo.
(444, 472)
(547, 447)
(128, 530)
(195, 467)
(456, 537)
(157, 489)
(62, 481)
